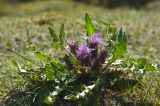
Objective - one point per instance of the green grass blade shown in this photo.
(28, 38)
(24, 57)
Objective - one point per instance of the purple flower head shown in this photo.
(83, 52)
(95, 40)
(72, 45)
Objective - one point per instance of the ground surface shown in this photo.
(142, 27)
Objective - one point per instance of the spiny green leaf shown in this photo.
(49, 100)
(73, 60)
(55, 63)
(122, 38)
(19, 67)
(62, 34)
(42, 56)
(120, 48)
(118, 52)
(71, 97)
(82, 94)
(53, 34)
(151, 67)
(45, 57)
(50, 75)
(89, 25)
(113, 30)
(58, 66)
(57, 46)
(141, 63)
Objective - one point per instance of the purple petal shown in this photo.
(96, 38)
(82, 52)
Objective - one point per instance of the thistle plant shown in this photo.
(85, 71)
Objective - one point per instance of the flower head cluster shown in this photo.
(83, 52)
(90, 54)
(95, 40)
